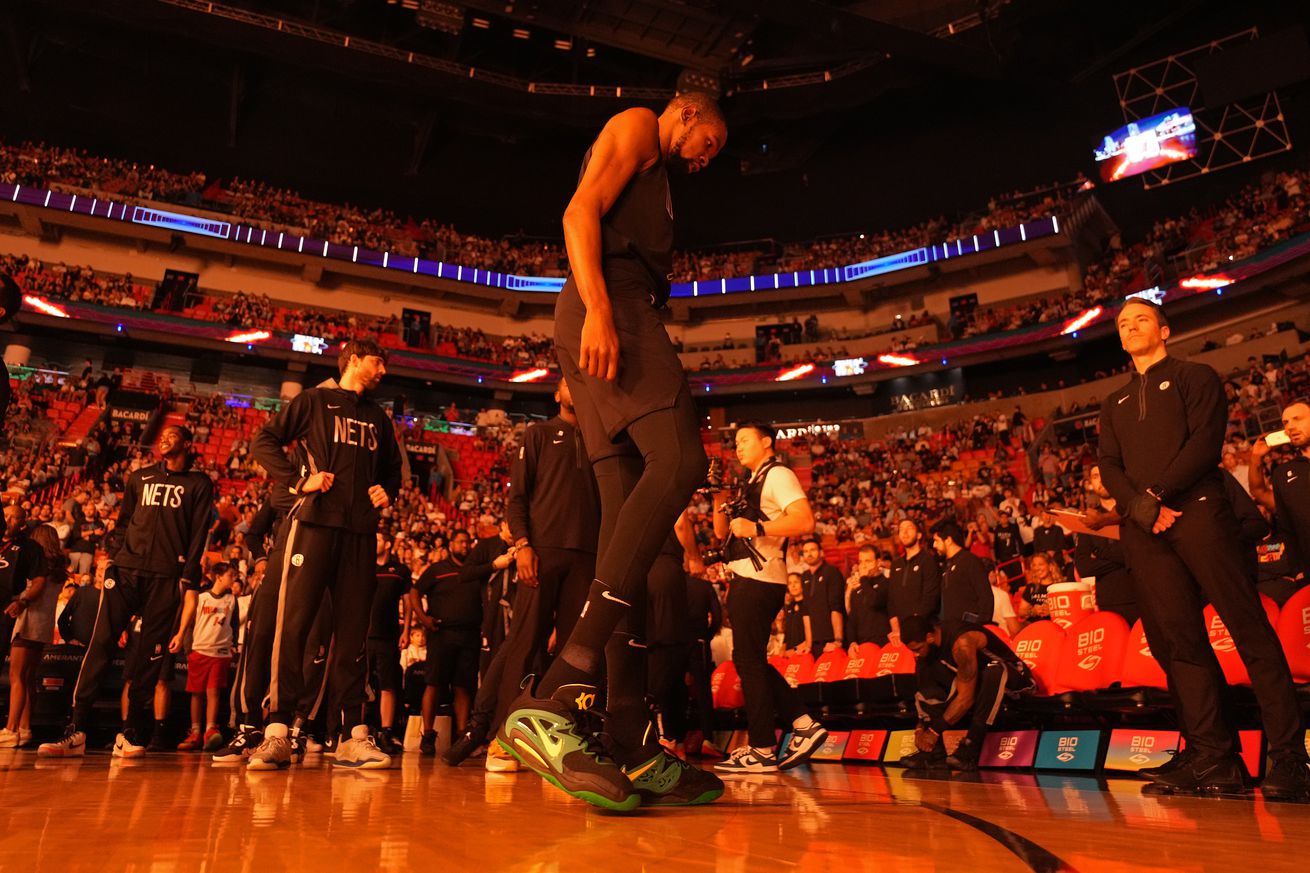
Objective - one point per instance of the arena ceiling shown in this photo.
(913, 107)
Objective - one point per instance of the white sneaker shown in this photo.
(748, 759)
(24, 738)
(126, 747)
(360, 752)
(274, 753)
(8, 739)
(804, 743)
(71, 745)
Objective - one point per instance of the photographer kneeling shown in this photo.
(769, 509)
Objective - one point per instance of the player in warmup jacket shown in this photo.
(329, 544)
(160, 533)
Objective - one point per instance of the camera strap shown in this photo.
(753, 493)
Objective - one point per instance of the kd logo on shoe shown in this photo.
(585, 701)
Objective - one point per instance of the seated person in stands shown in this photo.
(963, 673)
(1042, 573)
(1004, 615)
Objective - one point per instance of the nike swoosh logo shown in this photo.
(146, 478)
(556, 442)
(319, 660)
(330, 406)
(155, 657)
(1122, 399)
(609, 596)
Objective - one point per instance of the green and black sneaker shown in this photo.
(558, 738)
(667, 780)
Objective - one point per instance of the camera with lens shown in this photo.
(716, 477)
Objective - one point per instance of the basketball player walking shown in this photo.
(639, 426)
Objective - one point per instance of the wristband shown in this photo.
(759, 529)
(938, 725)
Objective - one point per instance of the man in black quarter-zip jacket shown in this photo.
(329, 544)
(1161, 436)
(155, 553)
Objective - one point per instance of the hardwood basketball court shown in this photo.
(182, 813)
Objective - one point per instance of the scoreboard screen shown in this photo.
(1147, 144)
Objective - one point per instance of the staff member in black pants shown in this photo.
(162, 525)
(706, 614)
(1161, 436)
(554, 518)
(330, 545)
(778, 510)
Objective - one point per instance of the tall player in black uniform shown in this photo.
(1161, 436)
(161, 533)
(639, 424)
(329, 544)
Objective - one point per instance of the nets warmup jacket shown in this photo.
(164, 522)
(339, 432)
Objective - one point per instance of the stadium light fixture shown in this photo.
(530, 375)
(1206, 283)
(794, 373)
(250, 336)
(1082, 320)
(898, 360)
(42, 306)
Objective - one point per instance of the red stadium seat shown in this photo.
(895, 660)
(725, 687)
(800, 669)
(1140, 668)
(779, 663)
(831, 667)
(1294, 633)
(1040, 645)
(1001, 633)
(864, 663)
(1093, 652)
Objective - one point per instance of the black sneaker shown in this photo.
(667, 780)
(1179, 759)
(330, 743)
(964, 758)
(1204, 775)
(804, 743)
(157, 743)
(240, 747)
(934, 760)
(559, 738)
(427, 746)
(465, 745)
(298, 747)
(388, 743)
(1288, 779)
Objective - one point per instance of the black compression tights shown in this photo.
(641, 497)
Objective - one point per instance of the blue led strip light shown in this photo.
(248, 235)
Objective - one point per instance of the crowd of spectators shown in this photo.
(1256, 217)
(260, 204)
